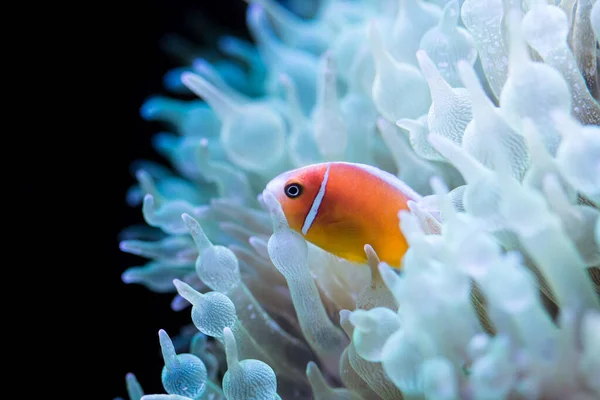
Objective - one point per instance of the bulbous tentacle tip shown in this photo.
(187, 292)
(129, 276)
(189, 220)
(269, 200)
(124, 246)
(362, 320)
(188, 78)
(231, 350)
(316, 380)
(160, 107)
(450, 15)
(178, 284)
(255, 13)
(168, 350)
(221, 102)
(134, 389)
(142, 176)
(310, 368)
(370, 252)
(344, 315)
(431, 73)
(148, 202)
(202, 66)
(148, 109)
(274, 207)
(423, 58)
(372, 261)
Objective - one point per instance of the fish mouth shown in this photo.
(274, 187)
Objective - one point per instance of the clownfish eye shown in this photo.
(293, 190)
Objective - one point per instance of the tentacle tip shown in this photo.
(149, 199)
(422, 56)
(128, 277)
(178, 284)
(187, 218)
(450, 12)
(142, 175)
(372, 257)
(255, 10)
(310, 367)
(192, 80)
(124, 246)
(147, 112)
(229, 338)
(150, 108)
(413, 206)
(344, 315)
(201, 65)
(271, 202)
(188, 77)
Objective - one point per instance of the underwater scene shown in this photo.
(376, 200)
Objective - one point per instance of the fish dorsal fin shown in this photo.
(389, 179)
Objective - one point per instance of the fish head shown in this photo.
(296, 191)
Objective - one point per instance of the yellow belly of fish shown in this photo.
(347, 241)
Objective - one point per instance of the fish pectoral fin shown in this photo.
(345, 228)
(346, 240)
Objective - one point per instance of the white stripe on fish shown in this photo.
(314, 209)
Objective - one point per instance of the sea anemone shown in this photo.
(487, 108)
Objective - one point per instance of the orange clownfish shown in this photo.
(340, 207)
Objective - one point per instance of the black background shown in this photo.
(134, 314)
